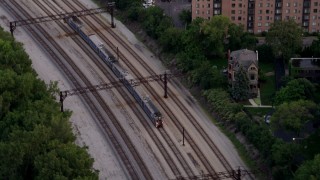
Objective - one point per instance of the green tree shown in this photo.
(155, 22)
(31, 124)
(248, 41)
(283, 156)
(315, 48)
(285, 38)
(265, 53)
(293, 116)
(216, 31)
(295, 89)
(170, 40)
(185, 16)
(309, 169)
(240, 88)
(207, 76)
(234, 36)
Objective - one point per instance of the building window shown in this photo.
(240, 5)
(288, 4)
(233, 5)
(260, 12)
(278, 4)
(315, 10)
(315, 3)
(295, 4)
(260, 4)
(233, 11)
(268, 5)
(197, 11)
(267, 11)
(266, 24)
(259, 24)
(240, 11)
(252, 77)
(208, 11)
(233, 18)
(287, 11)
(197, 5)
(208, 5)
(260, 18)
(267, 17)
(239, 18)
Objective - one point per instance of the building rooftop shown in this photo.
(244, 57)
(306, 62)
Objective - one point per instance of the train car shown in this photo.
(95, 43)
(143, 100)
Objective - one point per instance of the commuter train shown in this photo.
(128, 81)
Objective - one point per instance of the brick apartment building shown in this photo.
(257, 15)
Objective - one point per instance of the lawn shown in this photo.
(266, 67)
(255, 111)
(267, 90)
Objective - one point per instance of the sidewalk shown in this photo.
(254, 104)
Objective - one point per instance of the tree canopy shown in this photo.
(285, 38)
(309, 169)
(295, 89)
(36, 140)
(292, 116)
(240, 88)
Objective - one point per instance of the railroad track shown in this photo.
(175, 120)
(150, 128)
(191, 118)
(59, 55)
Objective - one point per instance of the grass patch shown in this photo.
(266, 66)
(257, 111)
(267, 90)
(257, 101)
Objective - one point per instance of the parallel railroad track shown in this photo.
(59, 56)
(143, 120)
(149, 128)
(175, 120)
(190, 117)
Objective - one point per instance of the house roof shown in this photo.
(244, 57)
(306, 62)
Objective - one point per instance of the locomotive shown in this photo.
(143, 100)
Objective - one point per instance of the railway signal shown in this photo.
(135, 82)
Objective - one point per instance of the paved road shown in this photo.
(306, 41)
(173, 9)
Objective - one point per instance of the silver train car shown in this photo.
(94, 42)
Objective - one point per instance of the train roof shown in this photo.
(77, 21)
(96, 40)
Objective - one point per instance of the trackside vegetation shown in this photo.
(198, 50)
(36, 139)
